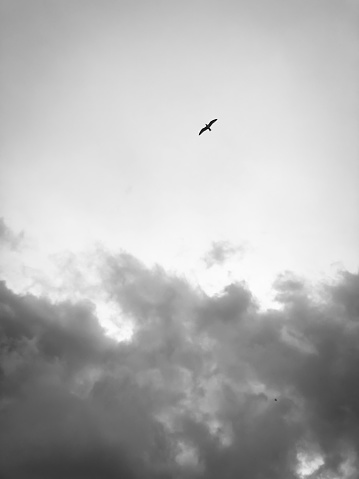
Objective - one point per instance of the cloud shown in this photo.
(346, 295)
(8, 237)
(220, 252)
(230, 305)
(209, 386)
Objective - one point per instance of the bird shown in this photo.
(207, 127)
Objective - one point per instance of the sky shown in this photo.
(161, 289)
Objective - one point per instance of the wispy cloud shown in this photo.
(222, 251)
(8, 238)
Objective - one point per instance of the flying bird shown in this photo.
(207, 127)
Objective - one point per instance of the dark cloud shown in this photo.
(68, 332)
(230, 305)
(209, 386)
(346, 295)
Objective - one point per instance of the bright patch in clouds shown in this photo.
(113, 321)
(308, 464)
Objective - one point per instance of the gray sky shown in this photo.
(101, 107)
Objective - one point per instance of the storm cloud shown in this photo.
(207, 387)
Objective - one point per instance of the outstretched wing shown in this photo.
(211, 122)
(203, 129)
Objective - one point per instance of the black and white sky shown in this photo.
(178, 306)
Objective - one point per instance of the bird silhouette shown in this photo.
(208, 126)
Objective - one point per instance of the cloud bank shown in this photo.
(208, 386)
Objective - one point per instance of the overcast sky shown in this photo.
(103, 176)
(102, 102)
